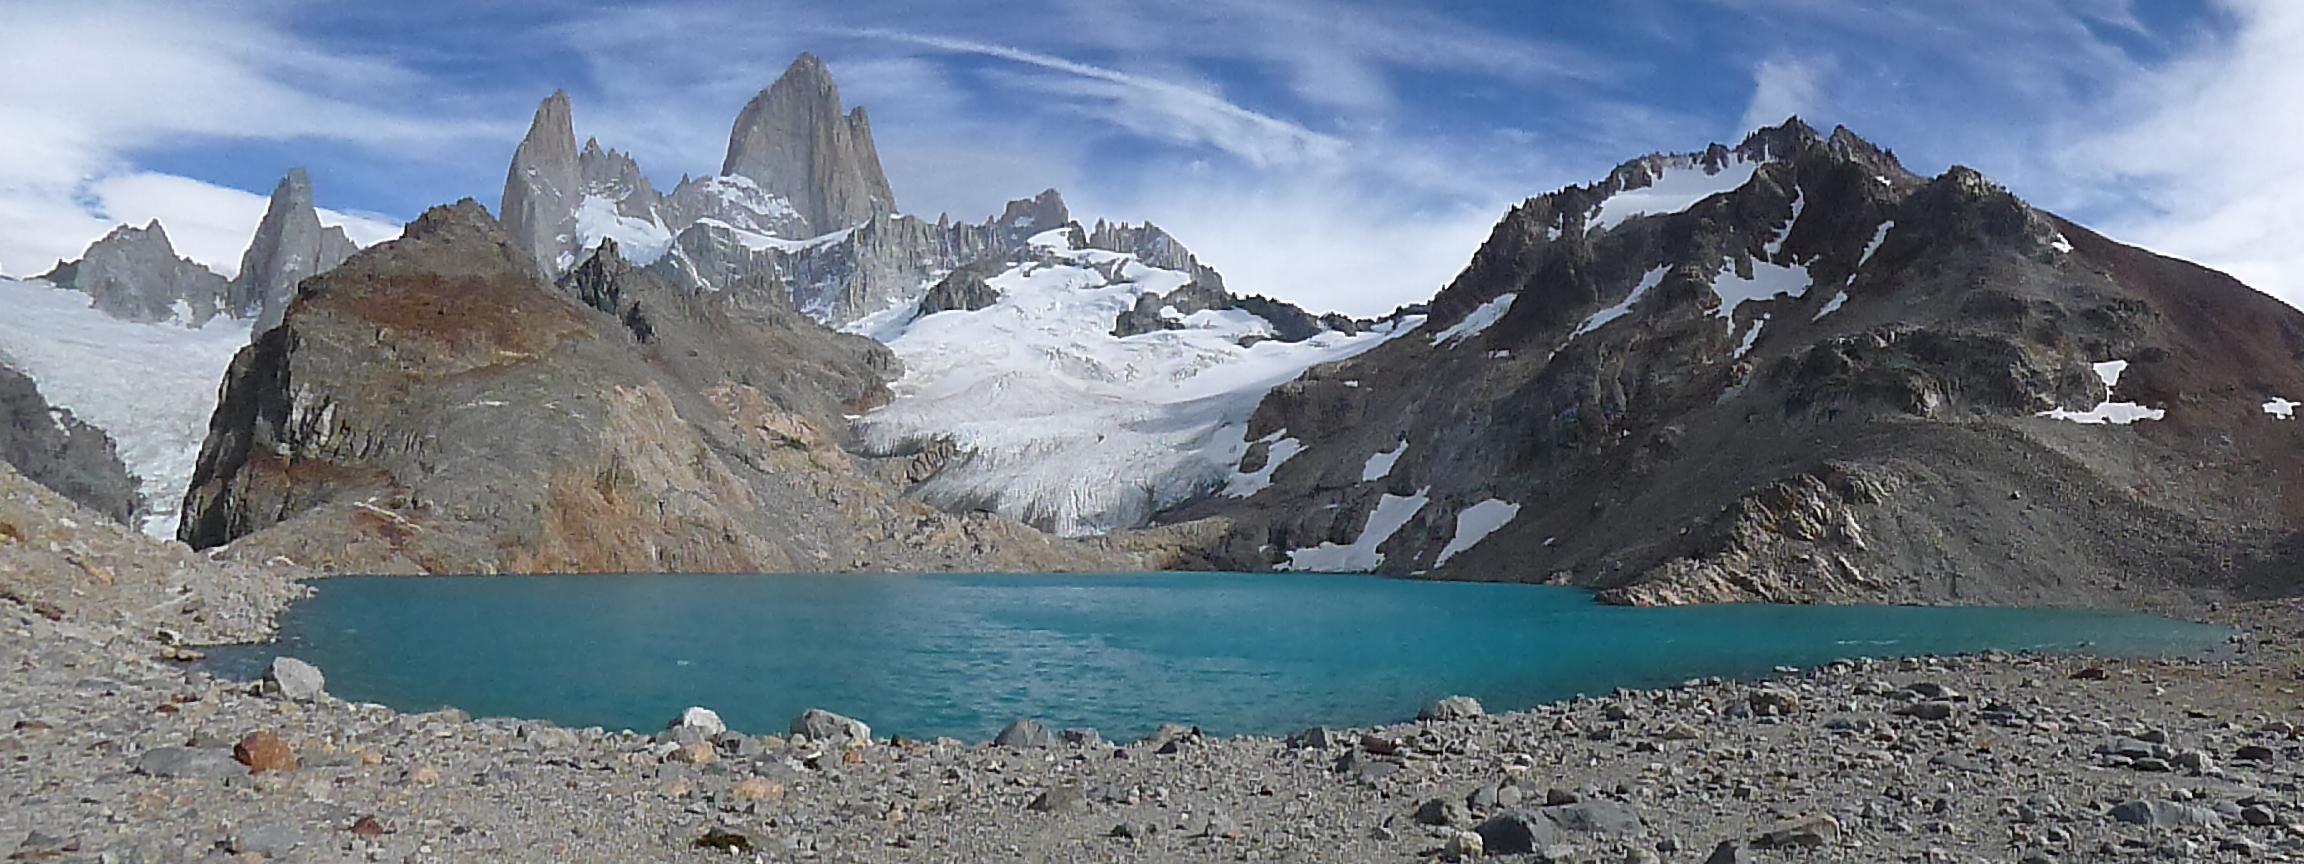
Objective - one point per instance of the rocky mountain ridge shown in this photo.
(435, 407)
(1794, 371)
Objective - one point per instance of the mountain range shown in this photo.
(1788, 370)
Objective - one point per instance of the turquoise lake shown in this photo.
(961, 655)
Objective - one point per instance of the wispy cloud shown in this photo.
(201, 71)
(1782, 87)
(2197, 159)
(1158, 108)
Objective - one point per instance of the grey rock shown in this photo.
(1171, 737)
(1807, 832)
(1025, 735)
(1933, 711)
(964, 289)
(1605, 818)
(705, 722)
(2164, 814)
(2255, 753)
(294, 680)
(1451, 708)
(290, 246)
(1060, 799)
(190, 763)
(819, 725)
(1519, 832)
(1442, 811)
(135, 274)
(1080, 737)
(793, 140)
(1726, 853)
(1315, 738)
(547, 737)
(271, 838)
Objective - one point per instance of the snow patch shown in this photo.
(1681, 184)
(1391, 514)
(1878, 236)
(2281, 408)
(1768, 282)
(1833, 305)
(2060, 244)
(1475, 524)
(1277, 451)
(152, 387)
(640, 241)
(2108, 411)
(1601, 318)
(1751, 336)
(1477, 321)
(1379, 466)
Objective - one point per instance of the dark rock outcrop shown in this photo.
(434, 406)
(964, 289)
(57, 450)
(794, 141)
(1822, 382)
(135, 274)
(290, 246)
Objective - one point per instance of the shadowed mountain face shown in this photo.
(433, 406)
(1794, 371)
(55, 449)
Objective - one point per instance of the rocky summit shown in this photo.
(135, 274)
(793, 140)
(290, 246)
(1794, 371)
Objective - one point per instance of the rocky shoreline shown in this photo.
(112, 749)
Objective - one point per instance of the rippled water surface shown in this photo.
(960, 655)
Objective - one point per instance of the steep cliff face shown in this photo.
(793, 140)
(135, 274)
(433, 406)
(1793, 371)
(57, 450)
(544, 185)
(290, 246)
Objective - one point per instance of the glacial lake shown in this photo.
(961, 655)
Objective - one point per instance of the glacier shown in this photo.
(1060, 424)
(152, 387)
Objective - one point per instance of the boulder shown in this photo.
(1519, 832)
(1807, 832)
(294, 680)
(704, 721)
(2164, 814)
(264, 752)
(817, 724)
(1025, 735)
(1451, 708)
(190, 763)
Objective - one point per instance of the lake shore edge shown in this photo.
(113, 749)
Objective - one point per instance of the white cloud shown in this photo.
(2197, 159)
(202, 72)
(1783, 87)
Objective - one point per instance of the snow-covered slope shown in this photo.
(1065, 426)
(151, 387)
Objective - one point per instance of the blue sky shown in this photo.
(1343, 155)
